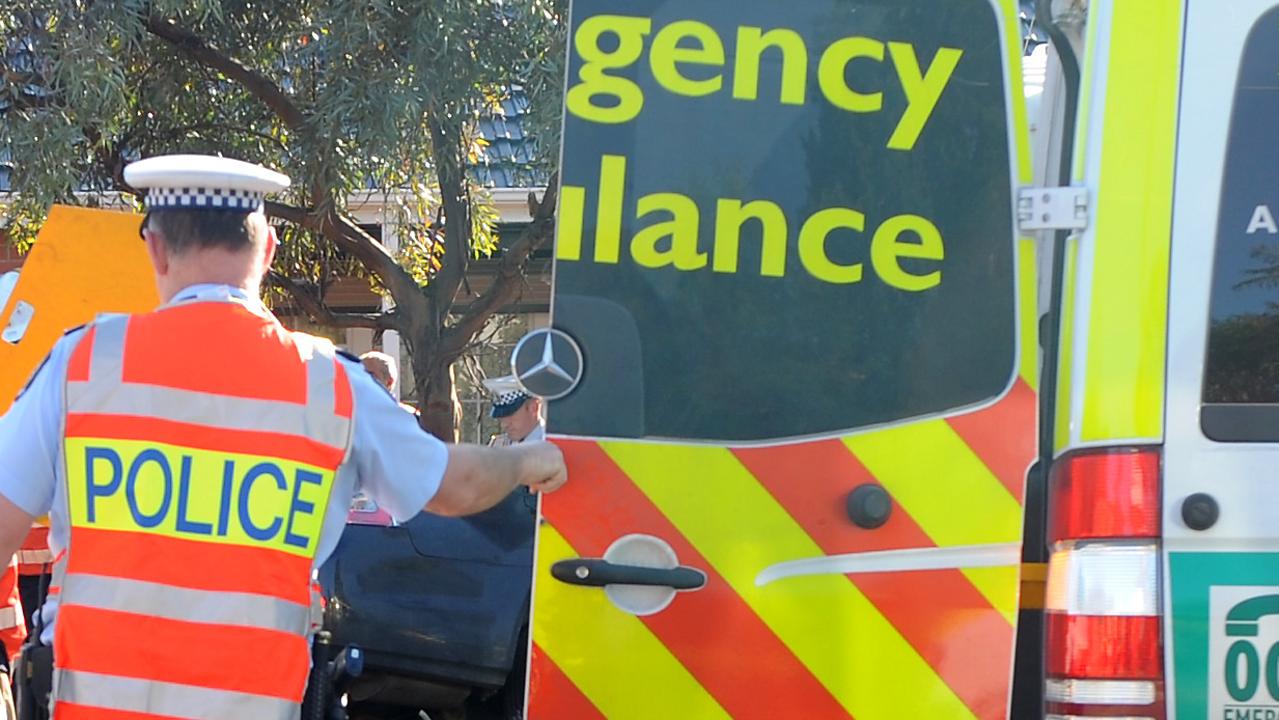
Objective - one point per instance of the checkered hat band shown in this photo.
(507, 398)
(204, 198)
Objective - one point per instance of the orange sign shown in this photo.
(84, 262)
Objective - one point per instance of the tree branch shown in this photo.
(510, 272)
(249, 132)
(311, 304)
(351, 238)
(449, 154)
(322, 218)
(344, 234)
(196, 48)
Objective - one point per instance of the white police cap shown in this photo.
(194, 182)
(507, 395)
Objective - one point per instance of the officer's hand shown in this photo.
(542, 467)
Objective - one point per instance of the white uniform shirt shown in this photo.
(537, 434)
(392, 460)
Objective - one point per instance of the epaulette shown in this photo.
(349, 355)
(44, 362)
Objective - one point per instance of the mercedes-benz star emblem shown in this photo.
(547, 363)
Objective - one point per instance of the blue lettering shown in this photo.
(224, 510)
(94, 490)
(303, 476)
(257, 471)
(184, 493)
(131, 488)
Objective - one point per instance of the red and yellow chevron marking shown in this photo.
(824, 646)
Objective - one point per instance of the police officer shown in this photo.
(197, 463)
(519, 414)
(382, 367)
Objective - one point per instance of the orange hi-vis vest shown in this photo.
(13, 626)
(202, 442)
(35, 558)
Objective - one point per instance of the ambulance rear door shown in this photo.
(792, 363)
(1221, 461)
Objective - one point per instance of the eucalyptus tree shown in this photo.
(343, 96)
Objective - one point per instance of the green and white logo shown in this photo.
(1243, 653)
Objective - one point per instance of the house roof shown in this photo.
(508, 160)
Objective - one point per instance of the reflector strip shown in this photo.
(825, 620)
(574, 623)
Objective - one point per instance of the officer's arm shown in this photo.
(30, 437)
(477, 478)
(14, 525)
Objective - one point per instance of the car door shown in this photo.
(1221, 459)
(792, 364)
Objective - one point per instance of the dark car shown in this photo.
(440, 608)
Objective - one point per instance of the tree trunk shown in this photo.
(438, 402)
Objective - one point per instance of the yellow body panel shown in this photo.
(1114, 334)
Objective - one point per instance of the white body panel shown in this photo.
(1242, 477)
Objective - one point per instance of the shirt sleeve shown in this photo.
(397, 463)
(30, 433)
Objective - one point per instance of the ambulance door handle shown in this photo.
(597, 572)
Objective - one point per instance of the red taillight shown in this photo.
(1099, 646)
(1103, 641)
(1105, 494)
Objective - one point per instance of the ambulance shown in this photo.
(839, 357)
(876, 406)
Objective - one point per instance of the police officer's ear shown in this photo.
(156, 248)
(272, 242)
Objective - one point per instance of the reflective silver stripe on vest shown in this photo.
(35, 557)
(161, 698)
(321, 388)
(321, 374)
(177, 603)
(192, 407)
(106, 393)
(106, 361)
(10, 617)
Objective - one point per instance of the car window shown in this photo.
(1241, 377)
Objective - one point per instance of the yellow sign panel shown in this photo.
(84, 262)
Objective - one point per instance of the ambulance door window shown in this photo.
(1241, 377)
(777, 270)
